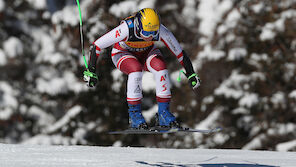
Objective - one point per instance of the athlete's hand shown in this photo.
(193, 81)
(90, 77)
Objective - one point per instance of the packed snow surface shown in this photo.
(82, 156)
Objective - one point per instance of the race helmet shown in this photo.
(147, 22)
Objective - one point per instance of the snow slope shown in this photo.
(82, 156)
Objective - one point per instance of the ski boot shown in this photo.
(164, 118)
(136, 119)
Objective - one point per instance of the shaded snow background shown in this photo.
(243, 51)
(87, 156)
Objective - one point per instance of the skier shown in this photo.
(134, 52)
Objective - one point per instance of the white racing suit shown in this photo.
(132, 55)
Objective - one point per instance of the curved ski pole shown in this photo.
(179, 77)
(81, 34)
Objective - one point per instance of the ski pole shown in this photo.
(81, 35)
(179, 77)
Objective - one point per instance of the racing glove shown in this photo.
(193, 80)
(90, 75)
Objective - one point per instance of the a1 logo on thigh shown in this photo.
(162, 78)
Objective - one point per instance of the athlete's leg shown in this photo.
(128, 64)
(156, 65)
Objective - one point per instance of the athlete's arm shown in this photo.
(118, 34)
(167, 37)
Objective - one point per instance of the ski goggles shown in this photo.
(148, 34)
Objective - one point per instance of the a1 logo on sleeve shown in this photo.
(117, 33)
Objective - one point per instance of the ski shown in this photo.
(160, 130)
(206, 131)
(141, 131)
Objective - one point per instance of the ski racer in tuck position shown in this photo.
(134, 52)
